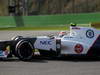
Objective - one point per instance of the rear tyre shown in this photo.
(24, 50)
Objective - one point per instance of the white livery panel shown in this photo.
(45, 43)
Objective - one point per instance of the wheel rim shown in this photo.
(24, 49)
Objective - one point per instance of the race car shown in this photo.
(79, 41)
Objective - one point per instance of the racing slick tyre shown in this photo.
(24, 50)
(17, 38)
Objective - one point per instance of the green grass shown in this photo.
(50, 20)
(36, 28)
(62, 19)
(47, 22)
(64, 27)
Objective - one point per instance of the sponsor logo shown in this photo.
(76, 28)
(90, 33)
(78, 48)
(46, 42)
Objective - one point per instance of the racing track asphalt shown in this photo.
(46, 66)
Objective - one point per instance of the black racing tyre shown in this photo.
(17, 37)
(24, 50)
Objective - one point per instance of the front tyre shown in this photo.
(24, 50)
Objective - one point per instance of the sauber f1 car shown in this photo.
(79, 41)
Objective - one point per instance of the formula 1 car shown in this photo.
(79, 41)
